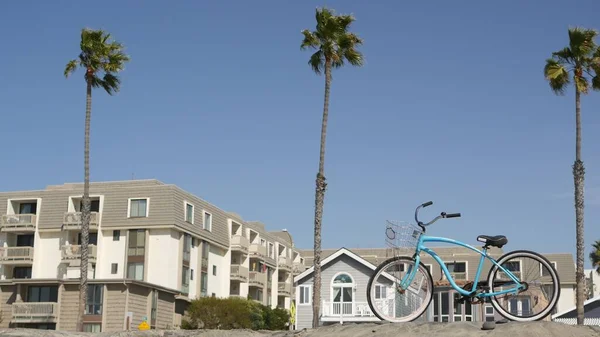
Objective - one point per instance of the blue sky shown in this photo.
(451, 106)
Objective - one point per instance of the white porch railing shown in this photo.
(18, 222)
(258, 249)
(346, 309)
(72, 220)
(25, 312)
(239, 242)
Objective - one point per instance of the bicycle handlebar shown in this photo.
(442, 215)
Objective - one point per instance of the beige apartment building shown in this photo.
(153, 248)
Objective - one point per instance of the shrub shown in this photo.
(233, 313)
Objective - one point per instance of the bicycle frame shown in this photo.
(484, 255)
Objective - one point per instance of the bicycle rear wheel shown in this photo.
(539, 297)
(388, 301)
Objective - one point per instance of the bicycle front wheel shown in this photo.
(388, 301)
(540, 295)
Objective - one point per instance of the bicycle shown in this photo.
(387, 304)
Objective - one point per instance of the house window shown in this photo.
(189, 213)
(380, 291)
(514, 267)
(544, 269)
(304, 295)
(92, 327)
(116, 235)
(137, 242)
(185, 279)
(205, 249)
(135, 270)
(94, 205)
(458, 270)
(271, 251)
(42, 294)
(28, 208)
(429, 267)
(22, 272)
(187, 246)
(203, 283)
(138, 208)
(114, 268)
(207, 221)
(191, 274)
(214, 270)
(94, 300)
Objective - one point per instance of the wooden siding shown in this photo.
(7, 297)
(165, 310)
(69, 307)
(114, 308)
(138, 304)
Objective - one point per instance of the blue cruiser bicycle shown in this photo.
(521, 285)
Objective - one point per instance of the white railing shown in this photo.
(284, 288)
(346, 309)
(74, 219)
(16, 253)
(19, 221)
(258, 249)
(257, 278)
(239, 242)
(238, 271)
(73, 252)
(284, 263)
(34, 311)
(298, 268)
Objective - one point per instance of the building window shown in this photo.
(135, 270)
(185, 279)
(458, 270)
(189, 213)
(138, 208)
(214, 270)
(514, 267)
(92, 327)
(42, 294)
(271, 251)
(187, 246)
(207, 221)
(22, 272)
(203, 283)
(116, 235)
(544, 269)
(154, 307)
(114, 268)
(137, 242)
(429, 267)
(28, 208)
(191, 274)
(304, 295)
(205, 249)
(380, 292)
(94, 300)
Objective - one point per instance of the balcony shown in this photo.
(16, 255)
(284, 289)
(298, 268)
(347, 312)
(34, 312)
(73, 252)
(18, 223)
(283, 264)
(257, 279)
(204, 264)
(258, 250)
(239, 243)
(72, 221)
(239, 273)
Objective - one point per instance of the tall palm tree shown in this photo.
(101, 59)
(334, 47)
(595, 256)
(579, 61)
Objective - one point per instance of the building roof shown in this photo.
(586, 304)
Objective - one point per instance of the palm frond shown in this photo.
(111, 83)
(564, 56)
(581, 41)
(557, 76)
(595, 256)
(317, 62)
(310, 40)
(70, 68)
(582, 84)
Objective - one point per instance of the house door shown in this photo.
(342, 301)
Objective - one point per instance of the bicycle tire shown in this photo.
(553, 274)
(384, 264)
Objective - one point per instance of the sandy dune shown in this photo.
(512, 329)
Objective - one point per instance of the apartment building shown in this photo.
(153, 248)
(346, 272)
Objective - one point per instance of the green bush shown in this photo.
(233, 313)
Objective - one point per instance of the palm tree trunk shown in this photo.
(85, 214)
(321, 185)
(578, 174)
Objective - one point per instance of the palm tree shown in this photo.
(334, 46)
(595, 256)
(102, 60)
(580, 60)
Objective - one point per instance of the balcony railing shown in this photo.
(72, 220)
(16, 255)
(239, 243)
(284, 263)
(185, 288)
(239, 273)
(18, 222)
(32, 312)
(258, 250)
(298, 268)
(257, 279)
(348, 310)
(204, 264)
(284, 289)
(73, 252)
(459, 275)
